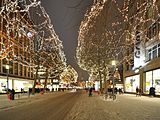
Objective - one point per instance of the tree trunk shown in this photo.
(100, 81)
(35, 79)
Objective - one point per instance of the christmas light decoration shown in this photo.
(26, 27)
(110, 29)
(69, 75)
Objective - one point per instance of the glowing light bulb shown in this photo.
(29, 34)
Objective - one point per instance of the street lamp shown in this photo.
(113, 81)
(7, 68)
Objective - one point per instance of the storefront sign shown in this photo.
(139, 54)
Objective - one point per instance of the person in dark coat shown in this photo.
(137, 91)
(90, 91)
(12, 94)
(152, 91)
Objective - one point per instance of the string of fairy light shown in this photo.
(69, 75)
(117, 34)
(18, 24)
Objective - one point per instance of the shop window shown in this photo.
(149, 81)
(156, 80)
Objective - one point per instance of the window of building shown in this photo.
(29, 71)
(158, 50)
(20, 70)
(153, 30)
(154, 52)
(25, 70)
(149, 54)
(32, 75)
(4, 61)
(16, 68)
(11, 67)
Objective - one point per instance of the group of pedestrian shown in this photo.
(138, 92)
(116, 90)
(11, 94)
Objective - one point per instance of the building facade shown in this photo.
(16, 44)
(143, 69)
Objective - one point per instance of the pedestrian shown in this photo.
(137, 91)
(29, 92)
(152, 91)
(90, 91)
(115, 89)
(22, 91)
(120, 91)
(140, 92)
(9, 94)
(12, 94)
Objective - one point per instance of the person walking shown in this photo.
(12, 94)
(137, 91)
(29, 92)
(90, 91)
(152, 91)
(140, 92)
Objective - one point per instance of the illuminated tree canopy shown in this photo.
(108, 31)
(25, 23)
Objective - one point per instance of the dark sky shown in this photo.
(66, 16)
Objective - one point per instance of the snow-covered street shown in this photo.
(78, 106)
(125, 107)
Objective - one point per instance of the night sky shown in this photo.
(66, 16)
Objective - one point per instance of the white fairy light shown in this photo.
(24, 22)
(96, 38)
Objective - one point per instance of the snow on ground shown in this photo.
(5, 103)
(125, 107)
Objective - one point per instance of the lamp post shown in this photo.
(7, 68)
(113, 81)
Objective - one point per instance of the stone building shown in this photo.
(143, 69)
